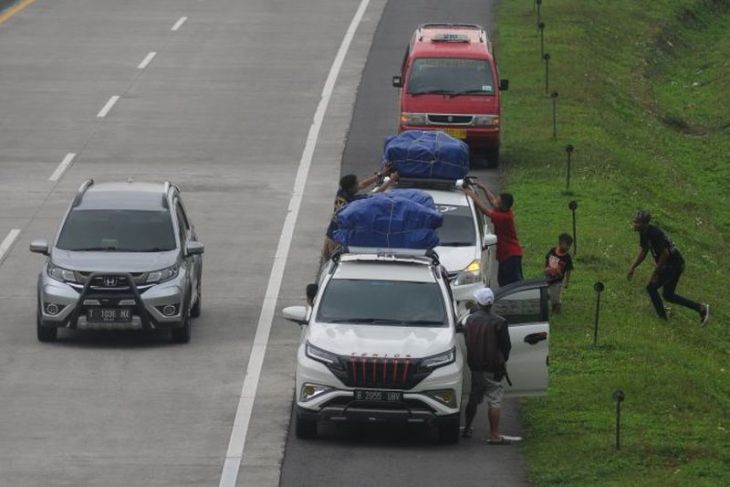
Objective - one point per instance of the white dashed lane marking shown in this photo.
(7, 243)
(147, 60)
(179, 23)
(62, 167)
(104, 111)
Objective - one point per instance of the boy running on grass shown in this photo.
(558, 264)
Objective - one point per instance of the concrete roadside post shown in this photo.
(541, 26)
(538, 3)
(573, 205)
(554, 95)
(568, 152)
(618, 396)
(546, 58)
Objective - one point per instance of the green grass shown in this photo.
(644, 95)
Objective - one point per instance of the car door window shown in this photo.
(523, 306)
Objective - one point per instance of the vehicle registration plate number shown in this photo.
(456, 133)
(109, 315)
(363, 395)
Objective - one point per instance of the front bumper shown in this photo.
(146, 304)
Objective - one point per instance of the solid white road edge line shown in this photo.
(8, 242)
(179, 23)
(62, 166)
(147, 60)
(237, 442)
(108, 106)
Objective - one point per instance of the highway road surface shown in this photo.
(247, 106)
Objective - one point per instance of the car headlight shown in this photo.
(470, 275)
(323, 356)
(163, 274)
(413, 118)
(61, 274)
(439, 360)
(310, 391)
(486, 121)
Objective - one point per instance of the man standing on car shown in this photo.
(487, 351)
(668, 270)
(348, 192)
(509, 250)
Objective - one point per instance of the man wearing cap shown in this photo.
(668, 270)
(487, 351)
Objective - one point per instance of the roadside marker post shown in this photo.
(599, 288)
(568, 152)
(541, 26)
(538, 3)
(573, 205)
(546, 58)
(554, 95)
(618, 396)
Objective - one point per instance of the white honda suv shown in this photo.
(381, 343)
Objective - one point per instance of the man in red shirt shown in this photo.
(509, 250)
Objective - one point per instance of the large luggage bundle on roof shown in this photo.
(390, 220)
(427, 155)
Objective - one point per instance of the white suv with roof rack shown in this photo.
(381, 343)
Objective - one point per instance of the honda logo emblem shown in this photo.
(111, 281)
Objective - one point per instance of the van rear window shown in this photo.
(450, 76)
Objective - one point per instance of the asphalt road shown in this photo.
(352, 456)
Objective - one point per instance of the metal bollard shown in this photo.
(541, 26)
(618, 396)
(573, 205)
(598, 287)
(546, 58)
(554, 95)
(568, 151)
(538, 3)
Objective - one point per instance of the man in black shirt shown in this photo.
(487, 351)
(668, 270)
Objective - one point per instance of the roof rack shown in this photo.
(376, 254)
(482, 31)
(80, 193)
(442, 184)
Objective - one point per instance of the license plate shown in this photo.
(109, 315)
(456, 133)
(361, 395)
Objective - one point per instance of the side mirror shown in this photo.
(489, 239)
(297, 314)
(503, 84)
(39, 246)
(397, 82)
(195, 248)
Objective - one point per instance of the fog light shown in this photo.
(169, 310)
(310, 391)
(53, 309)
(445, 396)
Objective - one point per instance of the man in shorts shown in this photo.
(487, 351)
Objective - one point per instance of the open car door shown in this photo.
(525, 307)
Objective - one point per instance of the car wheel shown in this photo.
(182, 333)
(491, 157)
(448, 431)
(305, 428)
(45, 333)
(195, 310)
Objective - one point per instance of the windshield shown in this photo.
(117, 230)
(450, 76)
(398, 303)
(457, 229)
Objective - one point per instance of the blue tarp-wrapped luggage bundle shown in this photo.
(402, 219)
(427, 155)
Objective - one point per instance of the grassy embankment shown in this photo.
(644, 95)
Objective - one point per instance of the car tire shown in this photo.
(197, 307)
(448, 431)
(181, 334)
(305, 428)
(45, 333)
(491, 157)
